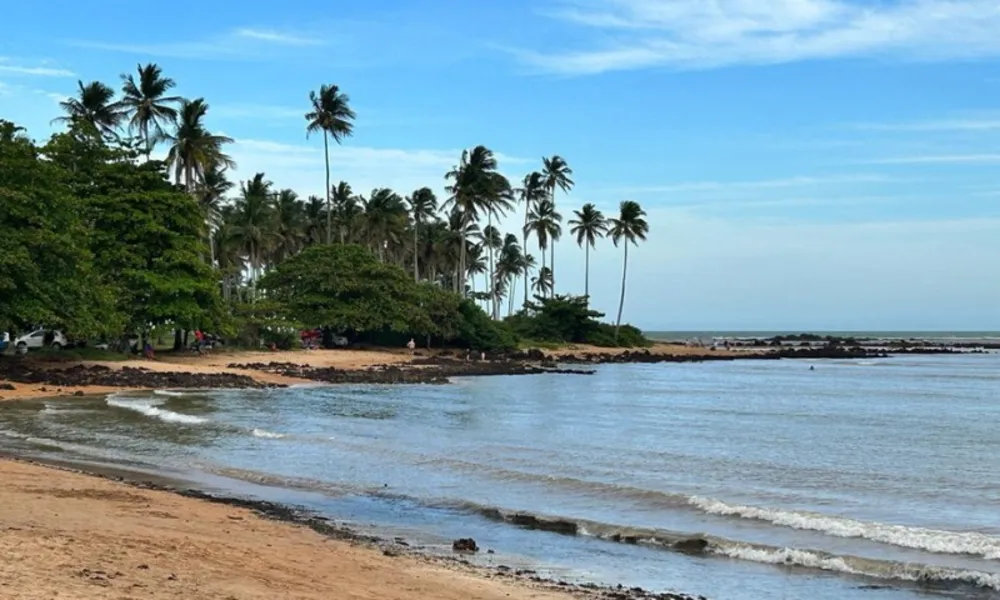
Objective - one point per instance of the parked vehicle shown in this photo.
(41, 338)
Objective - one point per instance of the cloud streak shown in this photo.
(722, 186)
(6, 67)
(240, 44)
(694, 34)
(941, 159)
(933, 126)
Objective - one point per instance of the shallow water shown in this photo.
(806, 482)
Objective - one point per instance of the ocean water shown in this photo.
(937, 336)
(871, 478)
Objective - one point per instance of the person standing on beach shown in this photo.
(411, 345)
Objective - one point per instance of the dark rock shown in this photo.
(691, 546)
(7, 387)
(554, 525)
(78, 393)
(27, 371)
(465, 545)
(432, 370)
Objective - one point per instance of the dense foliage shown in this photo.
(346, 288)
(102, 239)
(570, 319)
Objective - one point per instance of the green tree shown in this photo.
(48, 272)
(145, 103)
(255, 224)
(544, 222)
(147, 237)
(557, 175)
(532, 191)
(423, 207)
(95, 105)
(345, 209)
(629, 227)
(193, 149)
(344, 287)
(384, 219)
(588, 226)
(331, 113)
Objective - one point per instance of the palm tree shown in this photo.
(629, 227)
(148, 103)
(289, 225)
(509, 266)
(531, 192)
(331, 113)
(384, 219)
(588, 225)
(423, 206)
(477, 187)
(95, 104)
(193, 150)
(344, 206)
(254, 223)
(492, 241)
(210, 193)
(542, 284)
(544, 222)
(315, 220)
(557, 175)
(526, 266)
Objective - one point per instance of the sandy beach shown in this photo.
(66, 535)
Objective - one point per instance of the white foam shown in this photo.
(151, 408)
(858, 566)
(270, 435)
(170, 393)
(918, 538)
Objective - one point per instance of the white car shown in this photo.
(36, 339)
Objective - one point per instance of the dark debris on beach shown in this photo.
(22, 370)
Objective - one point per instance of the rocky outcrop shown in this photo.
(435, 370)
(25, 371)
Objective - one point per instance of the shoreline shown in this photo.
(103, 488)
(23, 378)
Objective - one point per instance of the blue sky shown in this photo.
(806, 164)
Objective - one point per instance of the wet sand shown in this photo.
(67, 535)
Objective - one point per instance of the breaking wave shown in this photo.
(152, 407)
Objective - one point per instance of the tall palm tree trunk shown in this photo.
(491, 288)
(524, 244)
(416, 246)
(586, 273)
(621, 302)
(329, 207)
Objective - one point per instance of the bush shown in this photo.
(477, 331)
(628, 337)
(569, 319)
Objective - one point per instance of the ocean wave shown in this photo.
(853, 565)
(716, 546)
(170, 393)
(151, 407)
(270, 435)
(918, 538)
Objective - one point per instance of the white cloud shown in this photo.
(940, 159)
(696, 34)
(276, 37)
(244, 43)
(7, 66)
(930, 126)
(300, 166)
(722, 186)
